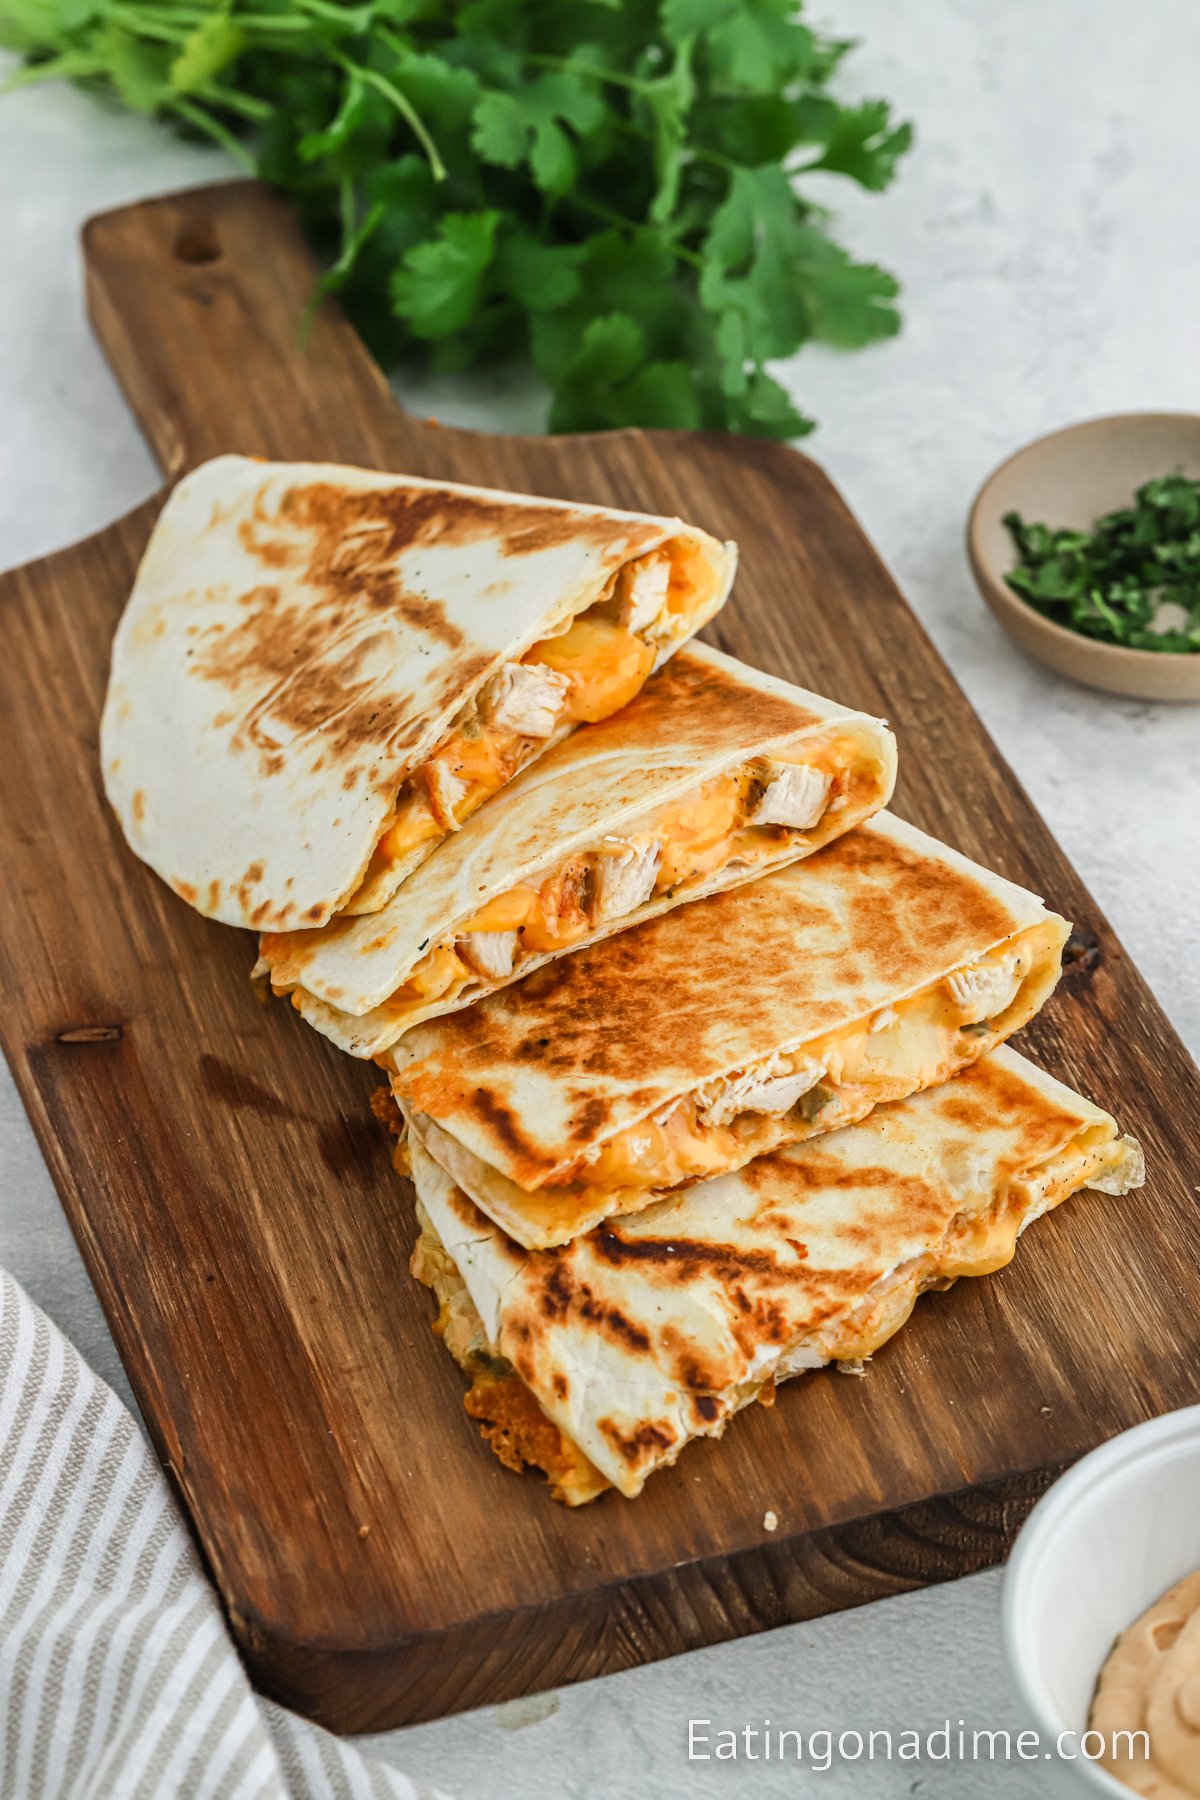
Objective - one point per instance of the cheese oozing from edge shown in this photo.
(830, 1081)
(975, 1243)
(583, 674)
(678, 846)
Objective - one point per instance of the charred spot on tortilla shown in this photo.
(682, 1259)
(318, 691)
(503, 1122)
(556, 1295)
(636, 1445)
(273, 552)
(728, 705)
(438, 515)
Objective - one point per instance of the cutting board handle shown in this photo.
(200, 300)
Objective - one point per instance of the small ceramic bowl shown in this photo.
(1069, 479)
(1108, 1539)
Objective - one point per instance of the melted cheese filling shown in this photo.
(694, 838)
(913, 1045)
(604, 662)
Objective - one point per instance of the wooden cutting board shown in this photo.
(234, 1199)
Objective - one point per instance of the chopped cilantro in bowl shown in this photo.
(1133, 579)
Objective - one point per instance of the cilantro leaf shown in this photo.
(205, 52)
(538, 276)
(439, 284)
(859, 141)
(608, 381)
(849, 303)
(528, 126)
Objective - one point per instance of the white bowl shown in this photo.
(1108, 1539)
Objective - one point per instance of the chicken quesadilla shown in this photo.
(714, 773)
(599, 1361)
(322, 672)
(686, 1046)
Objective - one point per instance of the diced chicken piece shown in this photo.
(795, 795)
(770, 1088)
(490, 953)
(525, 698)
(445, 790)
(641, 591)
(985, 990)
(884, 1019)
(624, 879)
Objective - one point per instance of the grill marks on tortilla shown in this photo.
(816, 1246)
(638, 1446)
(999, 1098)
(556, 1293)
(896, 892)
(708, 707)
(306, 668)
(664, 998)
(334, 518)
(305, 671)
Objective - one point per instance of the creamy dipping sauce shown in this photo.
(1151, 1684)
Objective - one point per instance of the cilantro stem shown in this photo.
(543, 60)
(213, 128)
(247, 106)
(696, 152)
(403, 106)
(623, 222)
(171, 24)
(356, 20)
(68, 67)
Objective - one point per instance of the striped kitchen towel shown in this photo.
(118, 1679)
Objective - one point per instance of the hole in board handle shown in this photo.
(197, 243)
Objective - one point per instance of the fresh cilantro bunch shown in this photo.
(1133, 579)
(605, 186)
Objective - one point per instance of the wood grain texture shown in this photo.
(234, 1200)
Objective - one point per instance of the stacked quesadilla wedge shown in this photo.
(714, 774)
(600, 1360)
(753, 1019)
(322, 672)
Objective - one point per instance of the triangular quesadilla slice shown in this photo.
(686, 1046)
(322, 672)
(714, 774)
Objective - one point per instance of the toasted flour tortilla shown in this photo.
(622, 821)
(684, 1047)
(599, 1361)
(302, 639)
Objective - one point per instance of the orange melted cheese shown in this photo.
(700, 834)
(606, 666)
(921, 1046)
